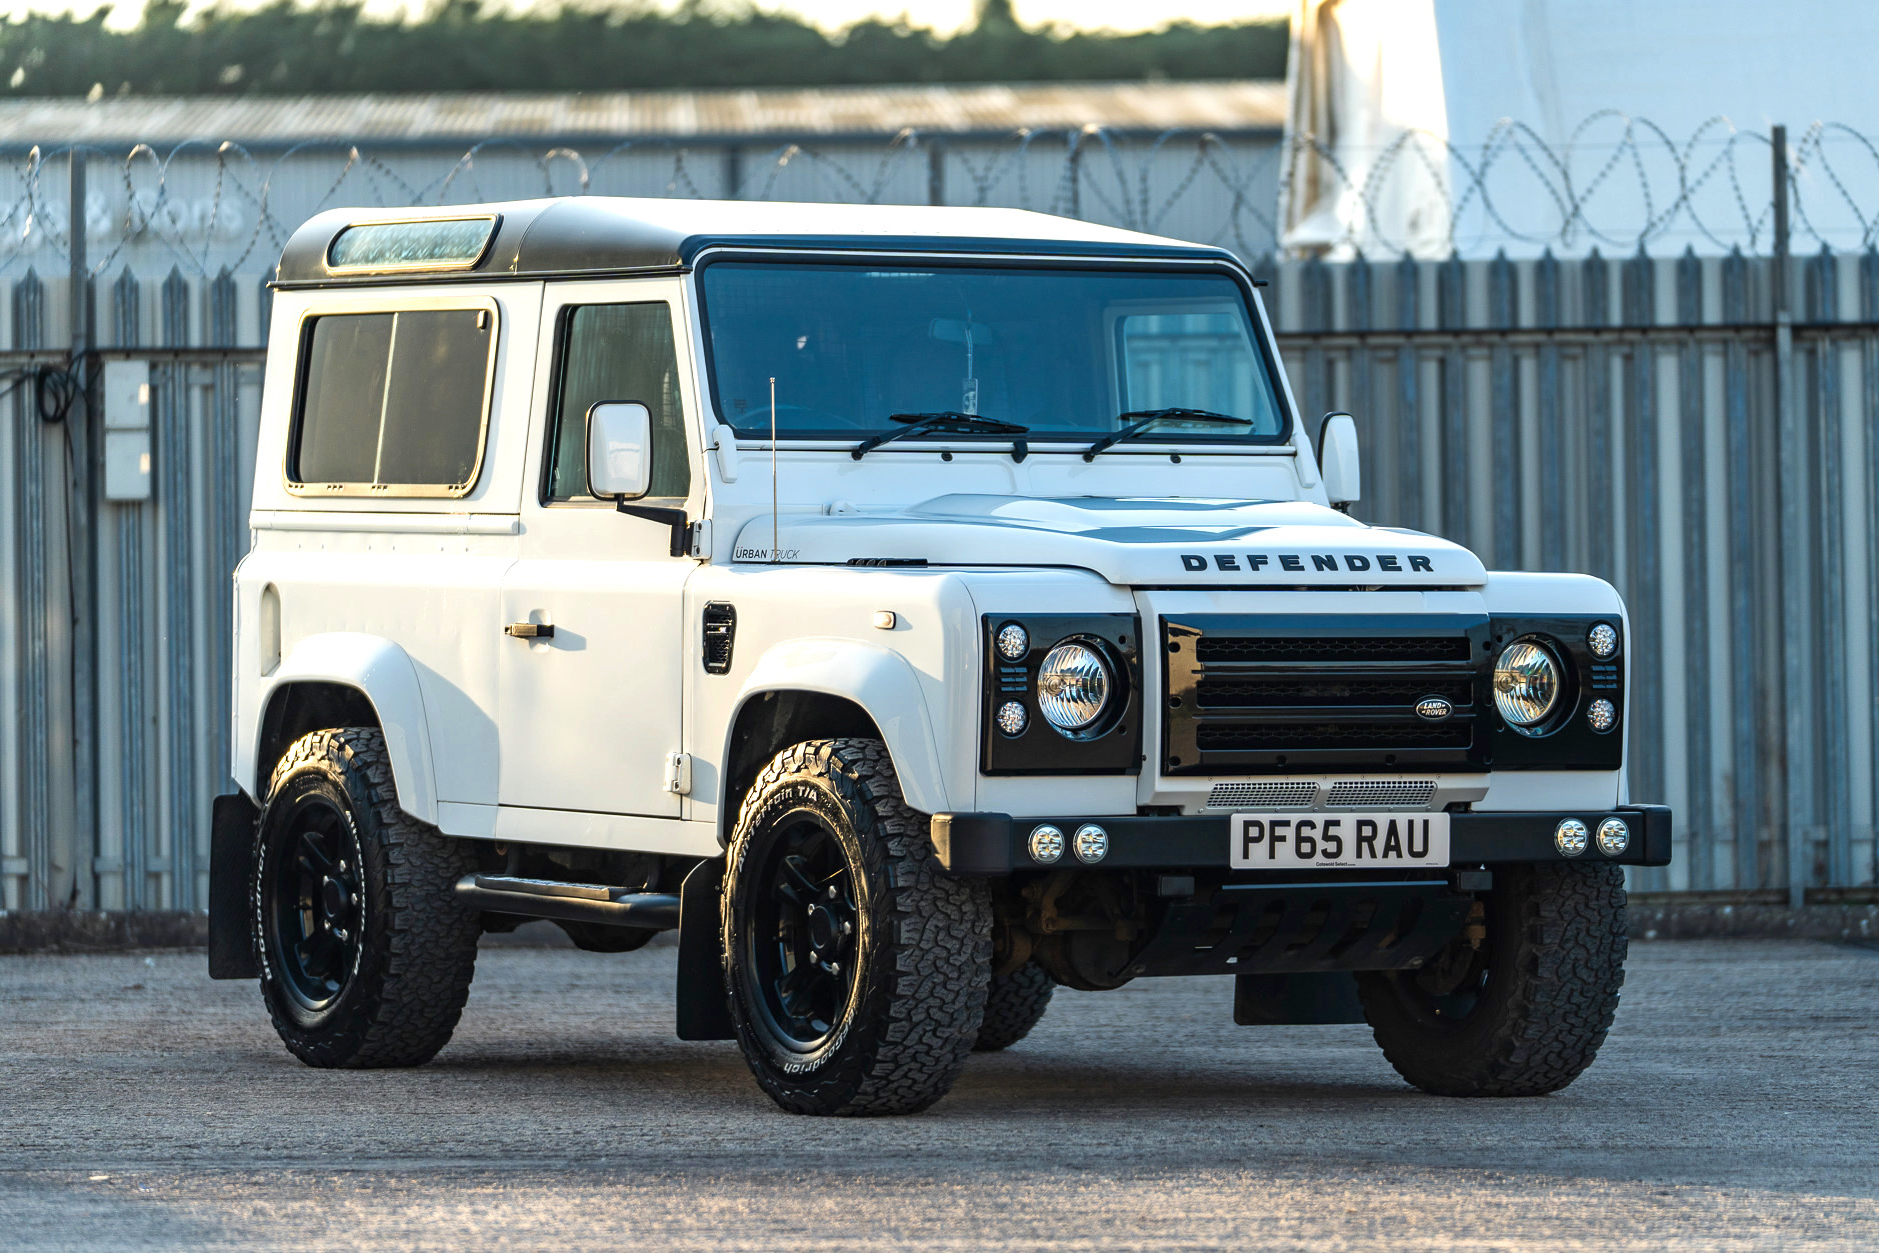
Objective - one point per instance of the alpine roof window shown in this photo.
(393, 403)
(456, 244)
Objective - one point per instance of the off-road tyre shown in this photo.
(406, 972)
(1543, 986)
(1015, 1004)
(890, 1033)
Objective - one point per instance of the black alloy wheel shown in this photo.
(802, 936)
(315, 912)
(855, 967)
(366, 951)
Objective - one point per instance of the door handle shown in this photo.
(530, 630)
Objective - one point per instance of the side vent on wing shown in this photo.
(720, 634)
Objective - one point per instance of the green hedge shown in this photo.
(458, 46)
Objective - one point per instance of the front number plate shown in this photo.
(1321, 841)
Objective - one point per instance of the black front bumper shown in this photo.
(994, 844)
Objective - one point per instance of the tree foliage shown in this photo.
(459, 45)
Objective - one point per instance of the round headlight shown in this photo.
(1073, 686)
(1526, 684)
(1013, 643)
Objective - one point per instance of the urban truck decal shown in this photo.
(1194, 563)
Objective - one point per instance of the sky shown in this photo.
(941, 15)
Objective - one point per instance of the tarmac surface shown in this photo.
(1736, 1106)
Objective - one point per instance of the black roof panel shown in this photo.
(615, 235)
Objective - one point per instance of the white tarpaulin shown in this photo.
(1426, 125)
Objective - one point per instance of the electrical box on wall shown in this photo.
(127, 430)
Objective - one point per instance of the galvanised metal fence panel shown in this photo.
(1616, 414)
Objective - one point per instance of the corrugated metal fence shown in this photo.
(1653, 421)
(1619, 416)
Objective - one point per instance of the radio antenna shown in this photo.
(775, 528)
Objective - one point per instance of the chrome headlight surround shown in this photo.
(1079, 683)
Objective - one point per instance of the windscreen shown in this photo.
(1063, 352)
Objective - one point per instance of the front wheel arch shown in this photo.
(769, 722)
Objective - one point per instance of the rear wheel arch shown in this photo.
(343, 679)
(298, 708)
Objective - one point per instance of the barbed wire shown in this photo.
(1617, 182)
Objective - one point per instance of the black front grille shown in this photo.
(1371, 648)
(1275, 694)
(1293, 693)
(1283, 736)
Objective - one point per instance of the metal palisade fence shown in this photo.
(1699, 429)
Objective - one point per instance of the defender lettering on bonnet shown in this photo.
(1354, 562)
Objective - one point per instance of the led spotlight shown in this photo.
(1603, 640)
(1046, 844)
(1092, 843)
(1013, 642)
(1012, 719)
(1569, 837)
(1601, 715)
(1614, 837)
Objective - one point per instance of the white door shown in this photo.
(590, 678)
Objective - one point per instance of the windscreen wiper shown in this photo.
(1145, 418)
(945, 421)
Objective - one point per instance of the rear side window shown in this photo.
(393, 404)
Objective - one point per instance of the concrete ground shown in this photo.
(1736, 1106)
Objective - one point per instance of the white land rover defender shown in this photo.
(916, 609)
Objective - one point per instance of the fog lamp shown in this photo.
(1046, 844)
(1614, 837)
(1092, 843)
(1569, 837)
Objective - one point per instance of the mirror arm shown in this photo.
(674, 518)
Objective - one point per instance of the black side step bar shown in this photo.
(575, 902)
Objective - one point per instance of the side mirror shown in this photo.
(1337, 455)
(619, 449)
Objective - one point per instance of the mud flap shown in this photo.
(703, 1011)
(231, 868)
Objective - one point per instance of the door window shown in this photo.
(393, 404)
(617, 352)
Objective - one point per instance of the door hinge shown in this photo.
(701, 539)
(678, 773)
